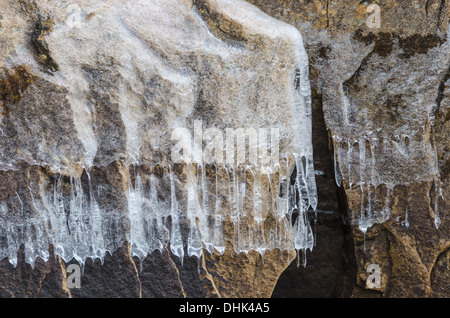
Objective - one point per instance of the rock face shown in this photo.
(89, 96)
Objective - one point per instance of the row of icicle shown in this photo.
(189, 219)
(355, 162)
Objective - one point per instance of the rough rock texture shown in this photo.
(367, 84)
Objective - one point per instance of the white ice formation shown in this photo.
(129, 73)
(376, 162)
(383, 135)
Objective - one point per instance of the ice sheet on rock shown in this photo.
(366, 164)
(129, 75)
(376, 149)
(154, 82)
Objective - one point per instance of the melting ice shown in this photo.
(147, 68)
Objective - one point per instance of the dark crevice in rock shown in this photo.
(390, 238)
(349, 279)
(331, 267)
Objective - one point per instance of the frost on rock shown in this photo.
(378, 148)
(91, 139)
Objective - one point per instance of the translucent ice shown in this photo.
(129, 74)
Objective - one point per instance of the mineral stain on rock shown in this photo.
(41, 29)
(13, 85)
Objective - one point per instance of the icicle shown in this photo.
(13, 247)
(41, 230)
(438, 193)
(234, 205)
(260, 241)
(176, 241)
(300, 182)
(156, 218)
(139, 243)
(98, 241)
(387, 210)
(373, 195)
(241, 190)
(337, 169)
(82, 268)
(219, 242)
(275, 193)
(437, 181)
(311, 181)
(206, 214)
(362, 162)
(349, 163)
(282, 203)
(30, 254)
(194, 240)
(364, 221)
(406, 218)
(63, 243)
(303, 238)
(304, 258)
